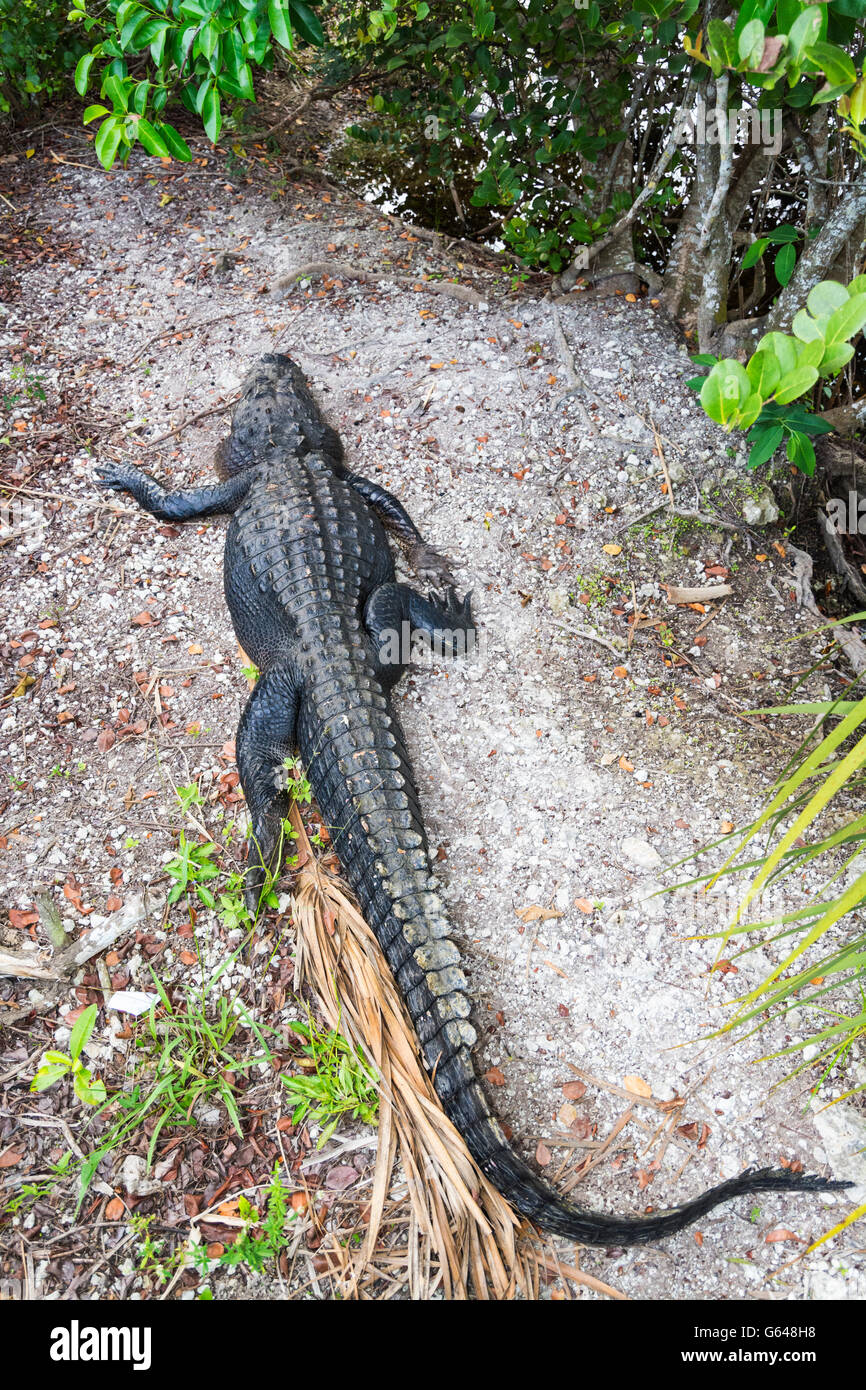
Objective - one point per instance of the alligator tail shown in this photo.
(534, 1199)
(352, 745)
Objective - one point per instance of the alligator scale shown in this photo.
(310, 583)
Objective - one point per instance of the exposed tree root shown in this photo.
(340, 270)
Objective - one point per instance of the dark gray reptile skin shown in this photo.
(309, 580)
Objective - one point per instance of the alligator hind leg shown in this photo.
(265, 740)
(174, 506)
(395, 613)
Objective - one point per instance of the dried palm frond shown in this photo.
(461, 1234)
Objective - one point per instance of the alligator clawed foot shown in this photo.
(457, 610)
(430, 566)
(118, 477)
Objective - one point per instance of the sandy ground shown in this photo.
(558, 771)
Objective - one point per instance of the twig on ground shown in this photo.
(588, 636)
(192, 420)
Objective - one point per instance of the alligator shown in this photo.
(310, 582)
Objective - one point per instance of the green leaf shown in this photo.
(828, 295)
(151, 139)
(750, 411)
(846, 321)
(46, 1076)
(805, 31)
(829, 93)
(784, 233)
(811, 354)
(795, 383)
(135, 16)
(458, 34)
(723, 391)
(84, 1025)
(801, 453)
(114, 88)
(307, 23)
(764, 372)
(784, 264)
(280, 24)
(834, 63)
(91, 113)
(177, 146)
(82, 72)
(139, 97)
(208, 39)
(108, 138)
(152, 29)
(211, 114)
(781, 346)
(721, 46)
(835, 359)
(805, 328)
(755, 252)
(765, 445)
(750, 45)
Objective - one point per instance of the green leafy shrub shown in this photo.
(39, 48)
(783, 367)
(201, 51)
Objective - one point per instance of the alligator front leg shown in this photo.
(396, 612)
(428, 564)
(174, 506)
(265, 741)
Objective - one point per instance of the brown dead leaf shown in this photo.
(115, 1209)
(574, 1090)
(724, 967)
(27, 917)
(534, 913)
(542, 1154)
(142, 619)
(772, 1237)
(637, 1086)
(495, 1077)
(10, 1157)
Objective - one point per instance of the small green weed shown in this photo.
(182, 1060)
(153, 1262)
(30, 1192)
(265, 1237)
(342, 1084)
(189, 796)
(191, 869)
(56, 1065)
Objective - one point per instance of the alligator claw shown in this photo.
(430, 566)
(118, 477)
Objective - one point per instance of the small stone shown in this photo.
(639, 852)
